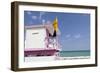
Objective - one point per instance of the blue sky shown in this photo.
(74, 27)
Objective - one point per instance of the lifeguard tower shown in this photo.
(41, 40)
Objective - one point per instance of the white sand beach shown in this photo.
(42, 58)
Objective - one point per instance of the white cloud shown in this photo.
(72, 37)
(34, 17)
(29, 12)
(68, 36)
(41, 14)
(77, 36)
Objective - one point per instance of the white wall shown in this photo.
(5, 26)
(37, 39)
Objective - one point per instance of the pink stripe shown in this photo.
(34, 49)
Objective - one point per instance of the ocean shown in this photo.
(74, 53)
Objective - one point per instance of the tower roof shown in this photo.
(49, 27)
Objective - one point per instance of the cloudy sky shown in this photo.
(74, 27)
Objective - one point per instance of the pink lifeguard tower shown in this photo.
(39, 43)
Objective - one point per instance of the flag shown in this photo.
(55, 24)
(53, 29)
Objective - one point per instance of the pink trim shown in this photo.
(40, 52)
(34, 49)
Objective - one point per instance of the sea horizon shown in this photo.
(75, 53)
